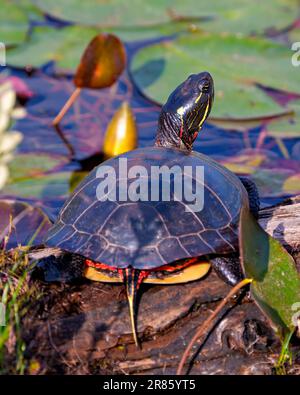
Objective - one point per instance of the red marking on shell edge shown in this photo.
(165, 268)
(99, 265)
(173, 268)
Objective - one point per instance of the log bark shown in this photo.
(283, 223)
(84, 328)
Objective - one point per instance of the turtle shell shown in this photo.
(149, 234)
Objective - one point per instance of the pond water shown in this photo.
(268, 161)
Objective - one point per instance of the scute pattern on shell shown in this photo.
(149, 234)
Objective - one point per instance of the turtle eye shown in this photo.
(205, 88)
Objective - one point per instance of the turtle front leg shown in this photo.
(228, 268)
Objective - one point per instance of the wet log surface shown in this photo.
(84, 328)
(283, 223)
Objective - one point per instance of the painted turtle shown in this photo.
(154, 239)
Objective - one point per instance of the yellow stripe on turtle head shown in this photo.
(205, 114)
(198, 98)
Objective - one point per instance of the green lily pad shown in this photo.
(110, 13)
(287, 127)
(244, 163)
(13, 23)
(64, 46)
(14, 20)
(276, 282)
(294, 35)
(254, 16)
(267, 184)
(237, 65)
(222, 15)
(137, 33)
(292, 184)
(33, 165)
(50, 186)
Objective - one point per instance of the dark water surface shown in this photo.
(85, 124)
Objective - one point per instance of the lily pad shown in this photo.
(112, 13)
(222, 15)
(45, 187)
(276, 282)
(66, 45)
(21, 222)
(63, 46)
(32, 165)
(267, 184)
(253, 17)
(237, 64)
(14, 20)
(292, 184)
(294, 35)
(289, 127)
(244, 163)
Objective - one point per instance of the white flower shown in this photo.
(4, 122)
(7, 98)
(4, 174)
(8, 139)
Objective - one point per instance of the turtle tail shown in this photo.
(132, 279)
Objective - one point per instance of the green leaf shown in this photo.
(276, 282)
(254, 16)
(287, 127)
(244, 163)
(222, 15)
(50, 186)
(237, 65)
(14, 20)
(267, 184)
(294, 35)
(292, 184)
(13, 23)
(64, 46)
(109, 13)
(32, 165)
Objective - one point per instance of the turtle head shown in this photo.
(185, 111)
